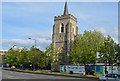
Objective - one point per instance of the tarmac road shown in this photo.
(19, 76)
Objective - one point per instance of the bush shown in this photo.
(12, 68)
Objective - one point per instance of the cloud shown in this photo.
(112, 31)
(8, 43)
(101, 29)
(107, 30)
(23, 20)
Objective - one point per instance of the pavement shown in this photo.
(20, 76)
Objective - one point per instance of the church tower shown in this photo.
(64, 32)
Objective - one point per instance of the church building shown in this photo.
(64, 32)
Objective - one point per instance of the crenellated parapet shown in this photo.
(62, 17)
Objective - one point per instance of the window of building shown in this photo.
(62, 27)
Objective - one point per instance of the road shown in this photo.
(19, 76)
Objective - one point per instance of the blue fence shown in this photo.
(97, 69)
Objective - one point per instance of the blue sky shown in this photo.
(21, 20)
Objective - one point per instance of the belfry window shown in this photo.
(62, 27)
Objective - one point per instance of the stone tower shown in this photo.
(64, 32)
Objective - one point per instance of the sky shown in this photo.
(23, 20)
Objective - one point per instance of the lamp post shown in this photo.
(34, 54)
(105, 63)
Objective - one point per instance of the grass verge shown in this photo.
(45, 72)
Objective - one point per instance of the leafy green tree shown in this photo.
(117, 54)
(49, 52)
(12, 56)
(37, 57)
(53, 57)
(50, 55)
(31, 55)
(23, 56)
(109, 51)
(0, 58)
(42, 59)
(85, 47)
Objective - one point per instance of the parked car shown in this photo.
(110, 77)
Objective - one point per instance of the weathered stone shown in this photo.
(64, 32)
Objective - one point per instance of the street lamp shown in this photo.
(34, 54)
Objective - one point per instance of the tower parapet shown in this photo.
(69, 16)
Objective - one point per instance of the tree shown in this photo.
(42, 59)
(50, 52)
(117, 54)
(31, 55)
(37, 57)
(12, 56)
(85, 48)
(109, 51)
(23, 56)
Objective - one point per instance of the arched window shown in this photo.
(67, 28)
(62, 27)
